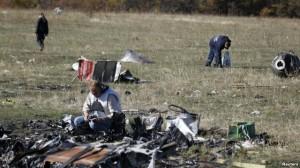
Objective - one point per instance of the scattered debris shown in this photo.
(32, 60)
(105, 71)
(186, 122)
(212, 93)
(284, 87)
(195, 93)
(248, 144)
(241, 131)
(75, 66)
(134, 57)
(127, 77)
(80, 155)
(49, 143)
(127, 92)
(255, 112)
(19, 62)
(58, 10)
(259, 97)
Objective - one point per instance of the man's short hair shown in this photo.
(97, 83)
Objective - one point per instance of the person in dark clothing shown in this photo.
(216, 45)
(41, 30)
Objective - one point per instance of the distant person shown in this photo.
(99, 108)
(216, 45)
(41, 30)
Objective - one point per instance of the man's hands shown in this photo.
(86, 116)
(97, 119)
(93, 118)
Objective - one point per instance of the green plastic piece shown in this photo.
(241, 131)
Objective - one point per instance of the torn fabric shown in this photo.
(104, 71)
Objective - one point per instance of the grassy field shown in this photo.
(36, 84)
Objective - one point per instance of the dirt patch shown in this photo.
(51, 87)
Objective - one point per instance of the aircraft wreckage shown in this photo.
(53, 144)
(286, 64)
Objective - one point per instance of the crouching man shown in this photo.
(99, 108)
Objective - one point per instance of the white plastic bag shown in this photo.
(226, 59)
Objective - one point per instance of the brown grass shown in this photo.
(178, 45)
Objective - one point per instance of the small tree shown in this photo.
(24, 3)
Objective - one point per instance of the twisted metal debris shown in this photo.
(51, 144)
(286, 64)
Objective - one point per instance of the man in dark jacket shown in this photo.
(216, 45)
(41, 30)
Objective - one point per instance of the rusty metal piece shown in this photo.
(88, 158)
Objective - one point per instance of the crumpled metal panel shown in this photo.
(286, 64)
(186, 123)
(152, 121)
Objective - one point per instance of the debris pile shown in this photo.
(145, 143)
(105, 71)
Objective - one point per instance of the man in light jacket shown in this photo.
(98, 108)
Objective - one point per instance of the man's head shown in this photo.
(41, 15)
(96, 87)
(227, 44)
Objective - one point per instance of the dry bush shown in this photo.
(5, 3)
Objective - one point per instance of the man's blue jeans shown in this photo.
(213, 54)
(102, 125)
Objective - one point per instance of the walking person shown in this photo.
(41, 30)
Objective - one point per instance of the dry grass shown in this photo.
(178, 45)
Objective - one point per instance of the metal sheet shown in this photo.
(89, 159)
